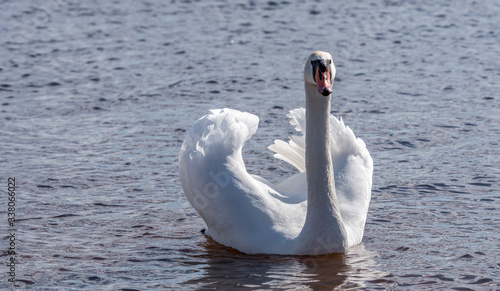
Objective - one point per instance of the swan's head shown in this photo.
(320, 71)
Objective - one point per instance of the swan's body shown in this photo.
(320, 210)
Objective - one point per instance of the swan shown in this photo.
(318, 211)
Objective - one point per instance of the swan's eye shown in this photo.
(329, 62)
(319, 65)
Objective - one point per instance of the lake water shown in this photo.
(95, 100)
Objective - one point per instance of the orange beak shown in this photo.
(323, 80)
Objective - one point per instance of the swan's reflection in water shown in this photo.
(227, 268)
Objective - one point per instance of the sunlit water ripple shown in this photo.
(96, 98)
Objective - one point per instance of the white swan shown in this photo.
(320, 210)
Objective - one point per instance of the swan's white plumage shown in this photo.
(240, 210)
(247, 212)
(352, 164)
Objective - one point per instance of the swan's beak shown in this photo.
(324, 81)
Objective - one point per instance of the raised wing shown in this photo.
(293, 152)
(240, 210)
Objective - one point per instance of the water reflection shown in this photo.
(224, 267)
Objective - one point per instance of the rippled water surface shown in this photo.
(96, 97)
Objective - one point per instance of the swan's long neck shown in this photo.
(319, 168)
(323, 220)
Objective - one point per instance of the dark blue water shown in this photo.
(95, 100)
